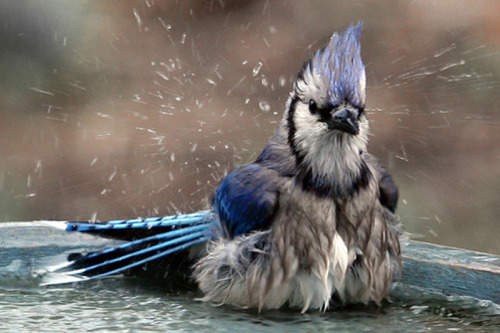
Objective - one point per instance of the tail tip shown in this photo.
(54, 278)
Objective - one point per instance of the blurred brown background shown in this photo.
(119, 109)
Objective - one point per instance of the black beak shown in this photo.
(344, 120)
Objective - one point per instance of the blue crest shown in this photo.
(341, 65)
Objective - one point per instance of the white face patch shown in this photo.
(332, 154)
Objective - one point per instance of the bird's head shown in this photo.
(328, 99)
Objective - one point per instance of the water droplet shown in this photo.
(256, 68)
(282, 80)
(212, 82)
(138, 19)
(264, 106)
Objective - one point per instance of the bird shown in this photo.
(309, 224)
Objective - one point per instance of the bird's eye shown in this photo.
(313, 107)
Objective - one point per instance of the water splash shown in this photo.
(138, 19)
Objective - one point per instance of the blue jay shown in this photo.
(310, 222)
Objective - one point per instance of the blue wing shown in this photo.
(247, 199)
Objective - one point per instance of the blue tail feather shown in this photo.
(150, 259)
(159, 237)
(141, 228)
(143, 246)
(151, 239)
